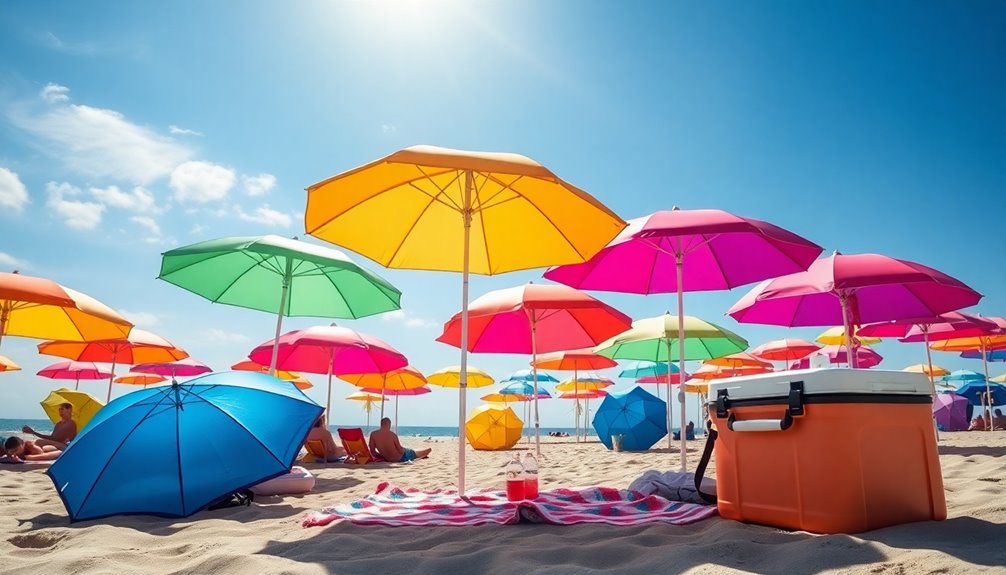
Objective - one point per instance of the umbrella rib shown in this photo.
(412, 227)
(114, 452)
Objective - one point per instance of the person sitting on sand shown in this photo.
(977, 424)
(19, 450)
(384, 442)
(320, 434)
(62, 433)
(999, 421)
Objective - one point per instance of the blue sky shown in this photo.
(128, 130)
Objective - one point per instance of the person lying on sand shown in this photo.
(385, 443)
(19, 450)
(999, 421)
(62, 433)
(320, 433)
(977, 424)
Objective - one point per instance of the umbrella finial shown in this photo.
(675, 209)
(333, 324)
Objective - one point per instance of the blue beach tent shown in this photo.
(636, 414)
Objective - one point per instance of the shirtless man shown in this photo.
(333, 451)
(62, 433)
(385, 443)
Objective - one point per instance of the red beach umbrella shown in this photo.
(75, 370)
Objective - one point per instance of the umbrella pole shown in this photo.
(932, 382)
(76, 384)
(670, 419)
(328, 396)
(846, 326)
(988, 388)
(108, 397)
(384, 383)
(679, 264)
(534, 377)
(576, 406)
(279, 316)
(586, 417)
(396, 415)
(466, 216)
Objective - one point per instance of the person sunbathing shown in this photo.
(385, 443)
(321, 444)
(19, 450)
(999, 421)
(977, 424)
(62, 433)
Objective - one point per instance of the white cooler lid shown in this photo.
(822, 381)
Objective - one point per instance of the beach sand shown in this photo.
(267, 537)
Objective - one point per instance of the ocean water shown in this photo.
(13, 427)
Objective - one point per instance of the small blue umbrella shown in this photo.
(997, 355)
(973, 390)
(638, 369)
(637, 415)
(172, 450)
(524, 388)
(528, 375)
(963, 376)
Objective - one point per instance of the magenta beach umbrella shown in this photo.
(330, 350)
(187, 367)
(75, 370)
(675, 251)
(852, 290)
(864, 354)
(951, 412)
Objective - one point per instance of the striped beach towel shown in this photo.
(394, 506)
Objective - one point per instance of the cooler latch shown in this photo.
(722, 401)
(795, 398)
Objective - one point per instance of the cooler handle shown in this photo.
(760, 424)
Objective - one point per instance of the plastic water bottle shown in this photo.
(530, 476)
(515, 479)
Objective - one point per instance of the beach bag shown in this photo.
(242, 497)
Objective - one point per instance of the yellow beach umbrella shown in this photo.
(836, 336)
(708, 372)
(7, 364)
(451, 377)
(300, 382)
(431, 208)
(497, 397)
(406, 377)
(85, 405)
(493, 428)
(999, 379)
(368, 399)
(584, 384)
(140, 378)
(740, 359)
(936, 371)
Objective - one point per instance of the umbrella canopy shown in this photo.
(7, 364)
(450, 376)
(187, 367)
(368, 399)
(853, 290)
(300, 382)
(172, 450)
(836, 336)
(249, 365)
(574, 360)
(398, 392)
(529, 375)
(963, 375)
(140, 346)
(952, 412)
(498, 397)
(975, 389)
(454, 210)
(85, 405)
(75, 370)
(932, 371)
(785, 349)
(402, 378)
(584, 394)
(999, 379)
(133, 378)
(739, 359)
(493, 428)
(675, 379)
(42, 309)
(950, 325)
(708, 372)
(279, 275)
(638, 416)
(586, 383)
(534, 318)
(330, 350)
(639, 369)
(526, 389)
(864, 356)
(997, 355)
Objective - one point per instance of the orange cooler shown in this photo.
(826, 450)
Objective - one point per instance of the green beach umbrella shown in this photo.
(284, 276)
(655, 339)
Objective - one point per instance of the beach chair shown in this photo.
(356, 446)
(315, 450)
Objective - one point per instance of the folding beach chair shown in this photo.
(356, 446)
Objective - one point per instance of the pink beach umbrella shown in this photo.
(689, 250)
(853, 290)
(330, 350)
(75, 370)
(532, 319)
(864, 356)
(785, 349)
(187, 367)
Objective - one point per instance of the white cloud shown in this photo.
(225, 337)
(407, 319)
(11, 262)
(258, 185)
(53, 42)
(13, 194)
(148, 223)
(201, 182)
(173, 129)
(95, 142)
(388, 129)
(139, 200)
(197, 229)
(75, 214)
(54, 93)
(267, 216)
(141, 318)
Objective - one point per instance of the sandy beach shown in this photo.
(268, 538)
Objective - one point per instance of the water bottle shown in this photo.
(530, 476)
(515, 479)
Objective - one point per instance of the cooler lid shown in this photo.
(822, 381)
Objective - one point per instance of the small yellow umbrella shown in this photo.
(937, 371)
(300, 381)
(7, 364)
(740, 359)
(451, 377)
(368, 399)
(836, 336)
(406, 377)
(143, 379)
(497, 397)
(85, 405)
(999, 379)
(708, 372)
(493, 427)
(584, 384)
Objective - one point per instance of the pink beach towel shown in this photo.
(395, 507)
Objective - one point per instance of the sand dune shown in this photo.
(268, 538)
